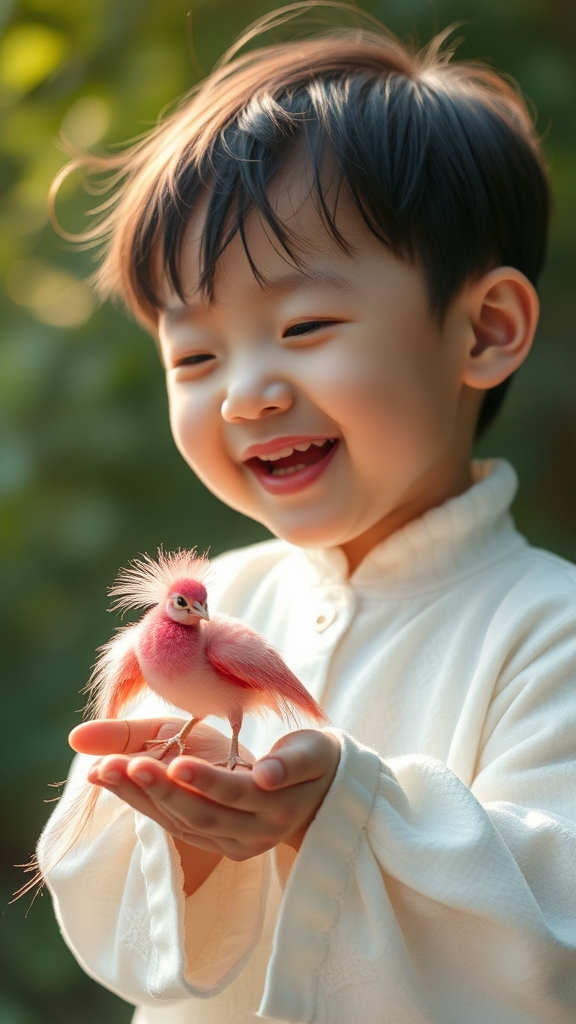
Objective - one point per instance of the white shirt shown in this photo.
(437, 884)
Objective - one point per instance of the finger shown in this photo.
(110, 774)
(118, 735)
(112, 777)
(301, 756)
(192, 809)
(231, 789)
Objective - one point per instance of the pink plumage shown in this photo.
(206, 666)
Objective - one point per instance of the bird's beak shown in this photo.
(201, 610)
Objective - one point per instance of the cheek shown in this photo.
(384, 409)
(395, 415)
(197, 430)
(186, 418)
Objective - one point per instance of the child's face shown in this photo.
(344, 359)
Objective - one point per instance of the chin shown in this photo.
(310, 535)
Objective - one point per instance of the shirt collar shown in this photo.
(448, 540)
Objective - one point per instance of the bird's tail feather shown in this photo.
(64, 834)
(297, 709)
(115, 680)
(293, 704)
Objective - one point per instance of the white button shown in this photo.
(325, 618)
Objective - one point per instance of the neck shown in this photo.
(430, 491)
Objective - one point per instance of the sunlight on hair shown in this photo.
(54, 296)
(86, 121)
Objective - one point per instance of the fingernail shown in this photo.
(110, 775)
(143, 777)
(272, 770)
(184, 774)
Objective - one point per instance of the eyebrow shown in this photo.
(292, 281)
(299, 280)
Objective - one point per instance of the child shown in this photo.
(336, 243)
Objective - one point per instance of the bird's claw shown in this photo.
(232, 761)
(179, 740)
(157, 748)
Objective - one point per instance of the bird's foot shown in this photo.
(157, 748)
(232, 761)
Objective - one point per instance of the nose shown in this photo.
(252, 398)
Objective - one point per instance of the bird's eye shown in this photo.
(181, 602)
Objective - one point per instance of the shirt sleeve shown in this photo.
(120, 904)
(420, 899)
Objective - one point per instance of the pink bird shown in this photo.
(206, 666)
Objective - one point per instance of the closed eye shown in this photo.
(307, 327)
(200, 357)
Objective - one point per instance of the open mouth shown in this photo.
(299, 458)
(295, 465)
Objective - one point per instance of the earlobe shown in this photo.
(503, 315)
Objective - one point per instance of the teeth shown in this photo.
(274, 456)
(289, 469)
(285, 452)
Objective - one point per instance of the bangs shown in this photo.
(440, 158)
(419, 162)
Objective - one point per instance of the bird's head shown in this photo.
(187, 602)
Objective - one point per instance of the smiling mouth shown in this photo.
(299, 458)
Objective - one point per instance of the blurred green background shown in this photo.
(89, 476)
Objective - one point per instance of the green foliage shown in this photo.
(89, 475)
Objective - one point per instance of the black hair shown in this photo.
(440, 158)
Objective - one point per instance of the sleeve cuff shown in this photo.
(202, 942)
(317, 881)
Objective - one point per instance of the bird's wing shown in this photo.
(247, 660)
(116, 677)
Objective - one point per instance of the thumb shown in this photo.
(119, 735)
(301, 756)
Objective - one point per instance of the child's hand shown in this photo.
(236, 814)
(275, 803)
(127, 737)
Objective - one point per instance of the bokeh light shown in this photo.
(28, 54)
(55, 297)
(86, 121)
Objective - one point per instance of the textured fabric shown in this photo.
(437, 884)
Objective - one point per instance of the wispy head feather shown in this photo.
(146, 582)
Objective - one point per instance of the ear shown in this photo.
(502, 310)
